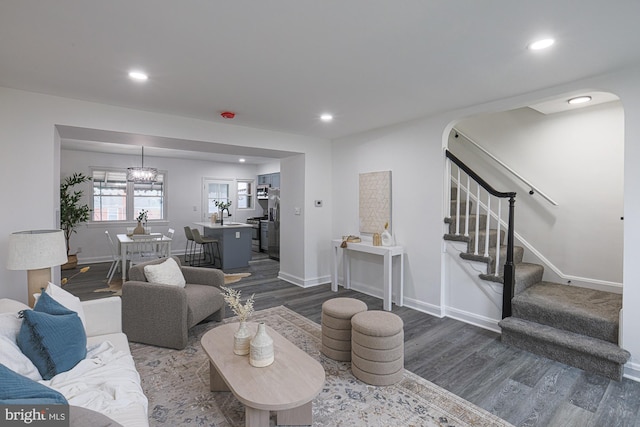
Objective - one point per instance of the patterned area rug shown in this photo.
(116, 284)
(177, 385)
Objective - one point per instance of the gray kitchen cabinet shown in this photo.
(270, 179)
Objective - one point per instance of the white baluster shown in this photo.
(449, 179)
(477, 217)
(486, 238)
(458, 205)
(466, 213)
(495, 273)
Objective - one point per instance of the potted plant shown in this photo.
(72, 212)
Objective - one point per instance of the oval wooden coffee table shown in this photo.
(287, 386)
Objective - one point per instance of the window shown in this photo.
(215, 191)
(245, 194)
(115, 199)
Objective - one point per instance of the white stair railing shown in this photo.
(456, 177)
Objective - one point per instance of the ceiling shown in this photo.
(279, 64)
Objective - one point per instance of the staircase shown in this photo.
(576, 326)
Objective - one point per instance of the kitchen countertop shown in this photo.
(230, 224)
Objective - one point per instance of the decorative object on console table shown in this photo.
(261, 348)
(72, 212)
(36, 251)
(377, 240)
(386, 237)
(242, 336)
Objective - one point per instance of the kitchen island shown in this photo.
(234, 240)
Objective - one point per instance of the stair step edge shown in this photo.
(570, 340)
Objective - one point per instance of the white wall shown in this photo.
(183, 190)
(29, 161)
(413, 154)
(576, 158)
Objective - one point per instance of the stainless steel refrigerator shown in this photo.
(274, 223)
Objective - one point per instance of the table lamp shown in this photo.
(36, 251)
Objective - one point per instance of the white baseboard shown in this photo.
(303, 283)
(473, 319)
(632, 371)
(431, 309)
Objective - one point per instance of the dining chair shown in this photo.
(116, 262)
(165, 249)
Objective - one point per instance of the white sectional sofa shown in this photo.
(106, 381)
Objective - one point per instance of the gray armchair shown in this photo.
(162, 315)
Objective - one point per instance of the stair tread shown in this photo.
(577, 342)
(525, 271)
(492, 253)
(581, 310)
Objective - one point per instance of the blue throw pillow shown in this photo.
(16, 389)
(52, 337)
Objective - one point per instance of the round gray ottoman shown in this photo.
(336, 326)
(377, 347)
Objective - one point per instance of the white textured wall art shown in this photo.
(375, 201)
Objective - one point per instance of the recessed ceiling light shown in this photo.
(138, 75)
(326, 117)
(541, 44)
(579, 100)
(242, 160)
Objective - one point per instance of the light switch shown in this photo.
(237, 234)
(296, 211)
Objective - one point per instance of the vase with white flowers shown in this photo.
(242, 336)
(142, 222)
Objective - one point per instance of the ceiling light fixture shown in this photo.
(142, 174)
(326, 117)
(138, 75)
(242, 160)
(579, 100)
(541, 44)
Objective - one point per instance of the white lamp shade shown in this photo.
(35, 249)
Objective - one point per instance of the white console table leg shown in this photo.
(388, 282)
(334, 279)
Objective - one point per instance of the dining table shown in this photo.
(129, 241)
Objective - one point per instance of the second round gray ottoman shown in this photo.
(377, 347)
(336, 326)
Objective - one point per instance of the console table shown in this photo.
(387, 252)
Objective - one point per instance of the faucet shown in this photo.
(221, 214)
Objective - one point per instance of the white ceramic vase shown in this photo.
(241, 340)
(261, 348)
(386, 238)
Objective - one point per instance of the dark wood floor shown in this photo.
(522, 388)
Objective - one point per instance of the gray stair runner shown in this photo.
(569, 324)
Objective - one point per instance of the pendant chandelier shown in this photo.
(142, 174)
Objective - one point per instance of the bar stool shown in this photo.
(188, 250)
(206, 245)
